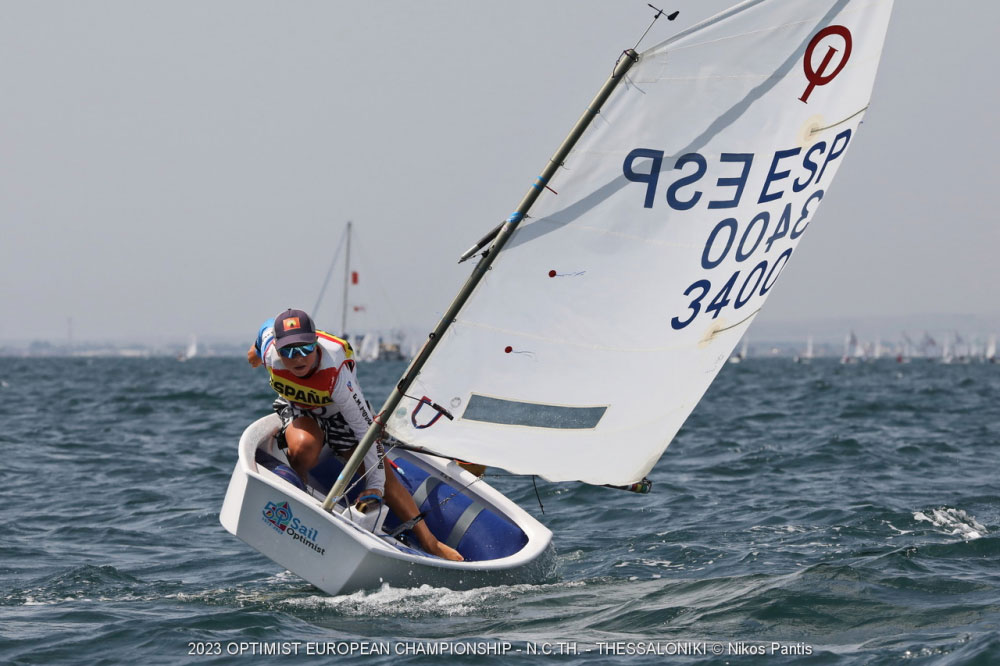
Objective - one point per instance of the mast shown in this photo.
(625, 62)
(329, 273)
(347, 277)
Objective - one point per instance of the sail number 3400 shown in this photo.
(722, 242)
(790, 174)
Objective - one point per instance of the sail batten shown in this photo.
(676, 215)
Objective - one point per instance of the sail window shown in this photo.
(532, 414)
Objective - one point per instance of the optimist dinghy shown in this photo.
(340, 551)
(655, 235)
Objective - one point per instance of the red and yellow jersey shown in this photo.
(332, 387)
(316, 390)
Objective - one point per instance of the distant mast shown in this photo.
(346, 236)
(347, 278)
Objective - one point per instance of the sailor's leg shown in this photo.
(305, 441)
(400, 501)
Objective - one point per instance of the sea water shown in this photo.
(818, 514)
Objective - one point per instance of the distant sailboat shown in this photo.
(850, 347)
(808, 355)
(349, 278)
(928, 346)
(369, 348)
(962, 350)
(385, 350)
(742, 354)
(991, 350)
(947, 356)
(191, 351)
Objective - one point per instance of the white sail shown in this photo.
(850, 347)
(610, 311)
(369, 347)
(190, 351)
(946, 355)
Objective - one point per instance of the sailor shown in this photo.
(320, 401)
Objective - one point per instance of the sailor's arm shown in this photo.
(253, 358)
(349, 399)
(255, 355)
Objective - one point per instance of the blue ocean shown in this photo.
(806, 514)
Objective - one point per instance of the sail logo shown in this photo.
(820, 77)
(281, 519)
(278, 515)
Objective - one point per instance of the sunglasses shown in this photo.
(297, 350)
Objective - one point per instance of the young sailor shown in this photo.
(320, 401)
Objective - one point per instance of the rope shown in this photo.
(537, 496)
(367, 471)
(816, 130)
(411, 523)
(459, 491)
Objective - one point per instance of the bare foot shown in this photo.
(447, 552)
(431, 545)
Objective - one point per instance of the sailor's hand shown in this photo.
(370, 499)
(252, 357)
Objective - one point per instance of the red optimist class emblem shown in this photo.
(821, 77)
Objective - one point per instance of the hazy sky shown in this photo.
(170, 168)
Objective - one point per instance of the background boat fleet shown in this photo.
(951, 348)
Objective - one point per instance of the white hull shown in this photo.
(338, 556)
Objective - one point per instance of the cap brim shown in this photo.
(297, 339)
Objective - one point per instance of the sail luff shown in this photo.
(628, 58)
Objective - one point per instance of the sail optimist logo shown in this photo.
(279, 515)
(280, 518)
(292, 323)
(821, 76)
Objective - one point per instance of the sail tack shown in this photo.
(608, 314)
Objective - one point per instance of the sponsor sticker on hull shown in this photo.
(281, 520)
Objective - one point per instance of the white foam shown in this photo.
(899, 531)
(422, 601)
(955, 521)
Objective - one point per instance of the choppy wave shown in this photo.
(953, 521)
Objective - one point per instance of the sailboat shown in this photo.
(806, 357)
(350, 278)
(947, 357)
(617, 289)
(369, 346)
(990, 355)
(850, 348)
(190, 351)
(740, 356)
